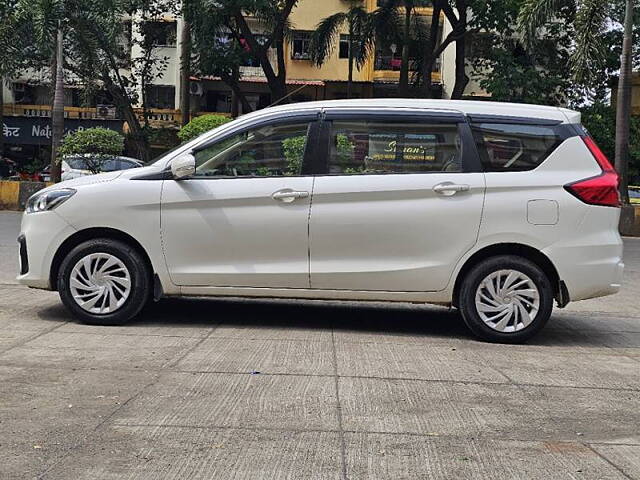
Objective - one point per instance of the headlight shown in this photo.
(48, 200)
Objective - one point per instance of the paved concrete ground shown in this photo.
(367, 392)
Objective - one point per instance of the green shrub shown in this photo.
(200, 125)
(95, 144)
(94, 141)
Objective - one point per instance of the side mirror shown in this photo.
(183, 166)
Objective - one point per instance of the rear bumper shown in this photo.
(589, 271)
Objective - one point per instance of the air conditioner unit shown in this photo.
(106, 111)
(195, 88)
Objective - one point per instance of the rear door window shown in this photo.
(514, 147)
(377, 147)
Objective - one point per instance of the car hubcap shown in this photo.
(100, 283)
(507, 300)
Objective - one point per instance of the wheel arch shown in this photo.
(525, 251)
(89, 234)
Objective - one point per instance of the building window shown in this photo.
(160, 34)
(301, 41)
(344, 46)
(161, 97)
(416, 3)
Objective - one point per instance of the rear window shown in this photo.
(514, 147)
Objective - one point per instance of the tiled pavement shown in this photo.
(343, 390)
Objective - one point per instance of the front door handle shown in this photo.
(449, 188)
(288, 195)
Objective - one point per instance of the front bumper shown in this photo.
(41, 235)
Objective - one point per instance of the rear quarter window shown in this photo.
(514, 147)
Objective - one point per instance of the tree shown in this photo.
(45, 20)
(393, 22)
(185, 65)
(509, 71)
(215, 50)
(327, 34)
(200, 125)
(11, 56)
(433, 50)
(57, 112)
(96, 145)
(600, 121)
(458, 20)
(273, 19)
(623, 110)
(101, 41)
(593, 19)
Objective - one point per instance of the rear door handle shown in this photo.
(287, 195)
(449, 188)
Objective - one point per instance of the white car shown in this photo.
(80, 166)
(497, 209)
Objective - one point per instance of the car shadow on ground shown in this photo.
(366, 318)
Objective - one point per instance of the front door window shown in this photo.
(265, 151)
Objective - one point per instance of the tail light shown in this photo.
(601, 189)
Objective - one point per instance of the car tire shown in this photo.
(104, 282)
(506, 299)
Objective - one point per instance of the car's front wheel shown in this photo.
(506, 299)
(104, 282)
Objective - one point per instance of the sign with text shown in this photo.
(37, 131)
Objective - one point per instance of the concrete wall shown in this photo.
(14, 194)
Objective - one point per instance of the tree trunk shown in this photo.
(461, 28)
(279, 87)
(136, 132)
(403, 85)
(1, 116)
(185, 72)
(277, 82)
(350, 77)
(429, 57)
(623, 106)
(239, 94)
(57, 114)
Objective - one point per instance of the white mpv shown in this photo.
(497, 209)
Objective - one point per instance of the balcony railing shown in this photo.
(157, 117)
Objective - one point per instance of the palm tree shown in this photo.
(593, 17)
(394, 20)
(45, 18)
(323, 40)
(57, 112)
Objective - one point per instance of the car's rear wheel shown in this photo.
(104, 282)
(506, 299)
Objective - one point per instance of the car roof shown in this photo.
(466, 107)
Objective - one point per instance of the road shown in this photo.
(252, 389)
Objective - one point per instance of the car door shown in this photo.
(242, 219)
(400, 201)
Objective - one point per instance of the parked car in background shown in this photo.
(82, 165)
(634, 194)
(496, 209)
(45, 174)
